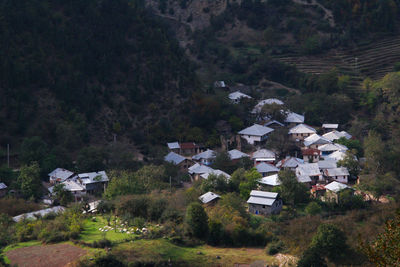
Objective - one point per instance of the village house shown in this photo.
(318, 191)
(289, 163)
(293, 119)
(198, 169)
(266, 169)
(311, 170)
(327, 127)
(207, 157)
(315, 141)
(237, 96)
(273, 124)
(311, 155)
(263, 155)
(3, 189)
(209, 198)
(270, 181)
(264, 203)
(93, 182)
(335, 135)
(59, 175)
(216, 173)
(336, 156)
(178, 160)
(330, 148)
(333, 191)
(190, 148)
(300, 132)
(77, 190)
(174, 147)
(326, 164)
(340, 174)
(235, 155)
(255, 134)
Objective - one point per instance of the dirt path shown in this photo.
(328, 13)
(58, 255)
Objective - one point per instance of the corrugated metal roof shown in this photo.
(303, 179)
(292, 117)
(265, 168)
(256, 130)
(337, 155)
(3, 186)
(93, 177)
(264, 194)
(208, 197)
(199, 169)
(272, 180)
(332, 147)
(263, 153)
(174, 158)
(302, 128)
(336, 186)
(334, 135)
(215, 172)
(315, 139)
(310, 169)
(174, 145)
(273, 122)
(261, 201)
(236, 154)
(330, 126)
(237, 95)
(208, 154)
(60, 174)
(290, 162)
(341, 171)
(327, 164)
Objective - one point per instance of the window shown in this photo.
(263, 206)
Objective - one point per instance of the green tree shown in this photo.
(216, 232)
(374, 150)
(62, 195)
(313, 208)
(330, 241)
(351, 163)
(312, 258)
(279, 141)
(29, 181)
(385, 250)
(90, 159)
(197, 220)
(236, 178)
(33, 149)
(291, 191)
(251, 180)
(216, 183)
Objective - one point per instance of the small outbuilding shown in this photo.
(264, 203)
(209, 198)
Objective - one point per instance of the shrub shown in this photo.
(139, 222)
(196, 220)
(275, 247)
(103, 243)
(313, 208)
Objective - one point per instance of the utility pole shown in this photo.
(8, 155)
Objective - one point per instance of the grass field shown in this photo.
(163, 250)
(92, 233)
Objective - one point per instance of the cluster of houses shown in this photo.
(317, 167)
(79, 185)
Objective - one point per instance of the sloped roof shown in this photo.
(327, 164)
(302, 128)
(199, 169)
(93, 177)
(263, 153)
(336, 186)
(187, 145)
(262, 198)
(208, 154)
(236, 154)
(303, 179)
(265, 167)
(3, 186)
(61, 174)
(332, 147)
(334, 135)
(273, 122)
(238, 95)
(310, 152)
(330, 126)
(174, 158)
(217, 173)
(174, 145)
(346, 134)
(256, 130)
(315, 139)
(292, 117)
(289, 162)
(310, 169)
(337, 155)
(341, 171)
(208, 197)
(272, 180)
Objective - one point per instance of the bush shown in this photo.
(139, 222)
(313, 208)
(103, 243)
(275, 247)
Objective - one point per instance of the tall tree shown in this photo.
(197, 220)
(291, 191)
(29, 181)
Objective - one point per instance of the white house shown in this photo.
(340, 174)
(289, 163)
(263, 155)
(315, 140)
(59, 175)
(178, 160)
(77, 190)
(235, 97)
(311, 170)
(198, 169)
(92, 181)
(264, 203)
(326, 127)
(266, 169)
(327, 164)
(255, 134)
(334, 135)
(207, 157)
(301, 131)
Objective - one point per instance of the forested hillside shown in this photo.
(77, 72)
